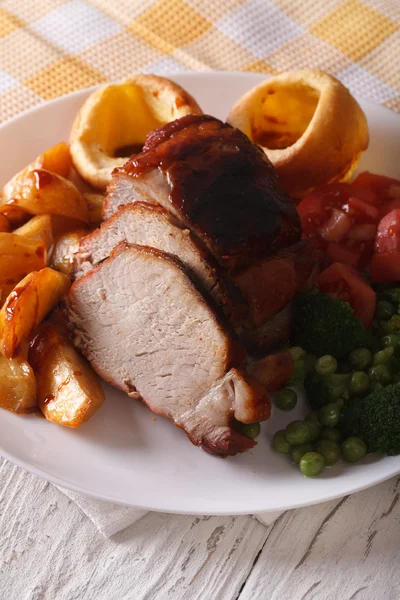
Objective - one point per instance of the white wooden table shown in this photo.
(339, 550)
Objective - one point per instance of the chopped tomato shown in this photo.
(378, 184)
(388, 233)
(343, 282)
(361, 211)
(336, 227)
(340, 253)
(385, 264)
(330, 213)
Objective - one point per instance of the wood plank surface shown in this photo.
(49, 550)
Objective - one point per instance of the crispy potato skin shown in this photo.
(27, 305)
(68, 391)
(19, 256)
(37, 228)
(56, 159)
(42, 192)
(17, 384)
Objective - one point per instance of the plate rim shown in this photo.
(109, 497)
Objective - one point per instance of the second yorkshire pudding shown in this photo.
(114, 121)
(308, 124)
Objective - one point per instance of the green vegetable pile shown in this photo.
(353, 387)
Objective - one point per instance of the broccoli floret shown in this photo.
(322, 389)
(325, 325)
(376, 420)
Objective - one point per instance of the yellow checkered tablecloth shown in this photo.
(51, 47)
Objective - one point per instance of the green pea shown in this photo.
(386, 327)
(384, 310)
(381, 373)
(329, 415)
(390, 340)
(353, 449)
(358, 383)
(375, 386)
(286, 399)
(297, 353)
(382, 357)
(332, 434)
(299, 451)
(360, 359)
(315, 430)
(312, 416)
(251, 430)
(280, 443)
(298, 432)
(311, 464)
(329, 450)
(340, 402)
(299, 372)
(326, 365)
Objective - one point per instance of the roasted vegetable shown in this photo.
(27, 305)
(68, 390)
(17, 384)
(375, 419)
(324, 325)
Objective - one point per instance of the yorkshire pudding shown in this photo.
(114, 121)
(308, 124)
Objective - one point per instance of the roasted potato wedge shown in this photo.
(4, 224)
(15, 216)
(27, 305)
(37, 228)
(95, 206)
(39, 192)
(17, 384)
(56, 159)
(19, 256)
(68, 390)
(5, 290)
(65, 248)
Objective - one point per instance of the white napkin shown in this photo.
(111, 518)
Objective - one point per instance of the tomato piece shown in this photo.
(336, 227)
(385, 266)
(388, 233)
(361, 210)
(375, 183)
(343, 282)
(362, 232)
(341, 254)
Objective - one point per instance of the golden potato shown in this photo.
(56, 159)
(4, 224)
(37, 228)
(5, 290)
(19, 256)
(15, 216)
(17, 384)
(95, 206)
(68, 391)
(27, 305)
(65, 248)
(40, 192)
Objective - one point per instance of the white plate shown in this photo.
(125, 454)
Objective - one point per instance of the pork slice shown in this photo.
(216, 182)
(149, 225)
(146, 329)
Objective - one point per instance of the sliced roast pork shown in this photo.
(146, 329)
(150, 225)
(217, 183)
